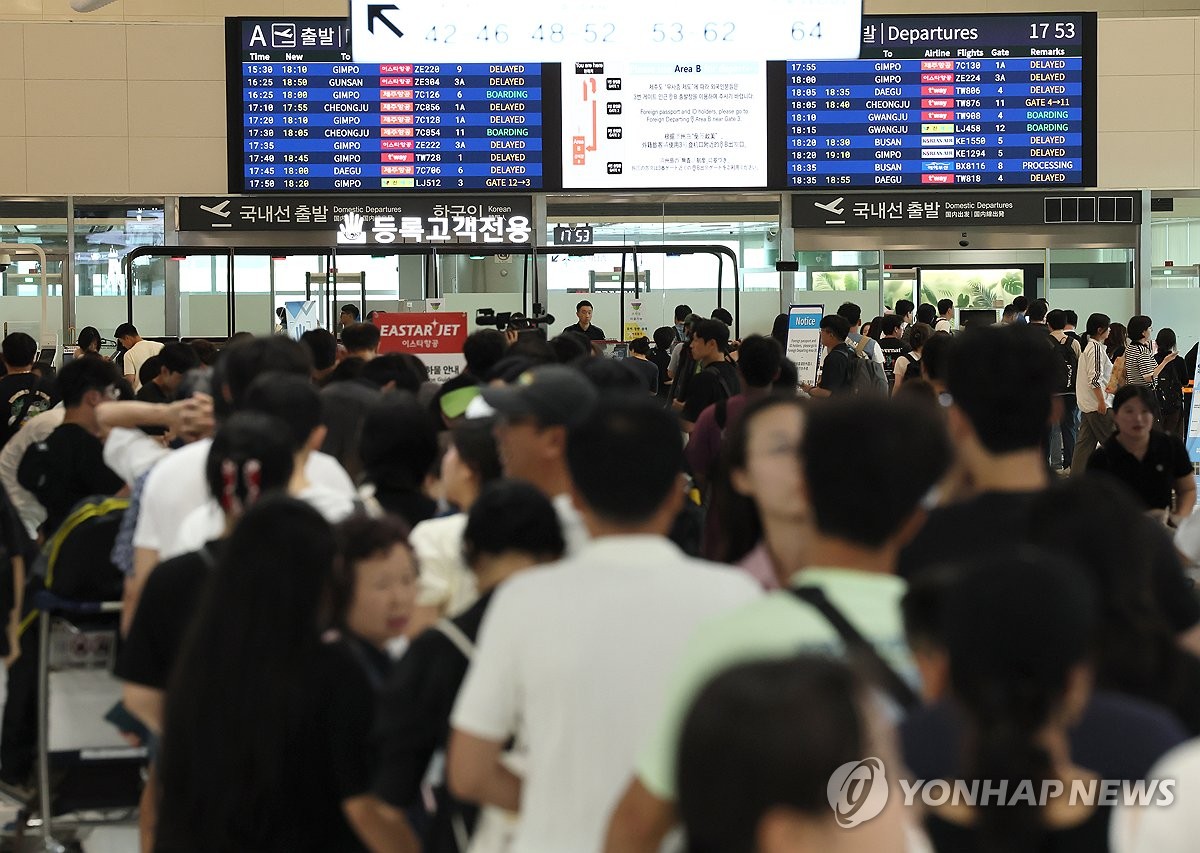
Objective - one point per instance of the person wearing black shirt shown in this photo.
(717, 378)
(265, 734)
(839, 359)
(584, 312)
(151, 391)
(69, 465)
(664, 338)
(165, 371)
(1154, 464)
(511, 527)
(639, 359)
(893, 346)
(174, 590)
(23, 395)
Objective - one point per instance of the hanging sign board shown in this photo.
(437, 341)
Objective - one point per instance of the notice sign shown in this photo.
(635, 322)
(804, 339)
(436, 339)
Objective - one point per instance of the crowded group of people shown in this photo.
(565, 602)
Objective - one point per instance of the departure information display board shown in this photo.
(933, 102)
(986, 100)
(308, 118)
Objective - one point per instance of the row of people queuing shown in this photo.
(592, 657)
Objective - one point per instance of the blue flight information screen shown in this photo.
(940, 102)
(306, 117)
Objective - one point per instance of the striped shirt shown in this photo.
(1139, 363)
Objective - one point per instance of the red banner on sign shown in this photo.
(435, 333)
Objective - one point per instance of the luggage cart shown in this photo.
(87, 775)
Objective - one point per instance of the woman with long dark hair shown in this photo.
(1171, 382)
(1153, 464)
(908, 364)
(1137, 652)
(264, 743)
(1019, 629)
(757, 496)
(89, 342)
(1116, 344)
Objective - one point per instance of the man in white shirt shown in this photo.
(176, 486)
(137, 350)
(534, 414)
(945, 321)
(573, 656)
(1091, 382)
(294, 401)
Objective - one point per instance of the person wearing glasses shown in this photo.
(69, 465)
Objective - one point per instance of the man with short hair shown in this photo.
(69, 465)
(533, 417)
(926, 314)
(760, 360)
(892, 345)
(137, 350)
(1009, 315)
(682, 312)
(1091, 395)
(361, 340)
(639, 360)
(349, 315)
(945, 321)
(1036, 315)
(723, 315)
(583, 312)
(1002, 380)
(717, 377)
(849, 572)
(1069, 352)
(1021, 303)
(549, 666)
(23, 395)
(836, 367)
(853, 315)
(1072, 320)
(904, 310)
(174, 361)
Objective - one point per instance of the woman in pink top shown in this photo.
(760, 505)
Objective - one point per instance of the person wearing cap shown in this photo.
(717, 378)
(584, 327)
(575, 655)
(349, 315)
(533, 416)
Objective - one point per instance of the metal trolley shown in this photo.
(87, 776)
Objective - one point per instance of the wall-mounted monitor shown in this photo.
(933, 102)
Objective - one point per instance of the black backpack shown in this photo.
(1169, 389)
(1070, 361)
